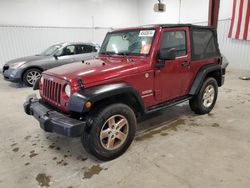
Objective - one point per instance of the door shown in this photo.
(63, 56)
(67, 55)
(173, 80)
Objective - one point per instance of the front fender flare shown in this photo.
(94, 94)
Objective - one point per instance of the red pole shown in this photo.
(213, 12)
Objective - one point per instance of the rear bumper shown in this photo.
(53, 121)
(223, 72)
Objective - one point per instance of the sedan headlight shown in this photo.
(16, 65)
(67, 90)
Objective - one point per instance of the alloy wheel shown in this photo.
(32, 76)
(208, 96)
(114, 132)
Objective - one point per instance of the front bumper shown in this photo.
(13, 75)
(53, 121)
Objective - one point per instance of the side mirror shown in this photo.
(167, 54)
(55, 56)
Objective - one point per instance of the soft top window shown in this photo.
(204, 44)
(174, 39)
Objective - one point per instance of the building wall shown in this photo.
(69, 13)
(236, 51)
(25, 40)
(183, 11)
(29, 26)
(148, 16)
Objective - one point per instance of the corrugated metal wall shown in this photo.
(236, 51)
(19, 41)
(22, 41)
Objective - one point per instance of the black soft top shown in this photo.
(204, 42)
(181, 25)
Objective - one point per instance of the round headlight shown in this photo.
(67, 90)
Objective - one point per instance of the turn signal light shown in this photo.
(88, 104)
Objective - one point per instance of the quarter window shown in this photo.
(175, 39)
(203, 44)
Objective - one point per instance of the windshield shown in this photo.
(51, 50)
(132, 42)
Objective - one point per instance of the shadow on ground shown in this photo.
(147, 126)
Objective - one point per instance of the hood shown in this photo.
(28, 59)
(95, 70)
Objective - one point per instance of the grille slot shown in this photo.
(52, 91)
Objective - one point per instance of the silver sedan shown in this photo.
(29, 69)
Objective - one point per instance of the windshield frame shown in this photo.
(132, 54)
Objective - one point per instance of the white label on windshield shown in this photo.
(146, 33)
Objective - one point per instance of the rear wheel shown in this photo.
(205, 100)
(112, 130)
(31, 75)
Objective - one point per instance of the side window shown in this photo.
(203, 44)
(68, 50)
(88, 48)
(80, 49)
(94, 49)
(175, 39)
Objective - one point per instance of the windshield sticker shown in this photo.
(145, 49)
(146, 33)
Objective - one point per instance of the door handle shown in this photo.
(186, 63)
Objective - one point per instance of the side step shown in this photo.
(167, 104)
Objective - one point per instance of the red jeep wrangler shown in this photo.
(138, 71)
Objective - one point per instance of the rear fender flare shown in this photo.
(202, 74)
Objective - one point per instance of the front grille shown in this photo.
(52, 91)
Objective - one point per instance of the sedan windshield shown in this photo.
(132, 42)
(51, 50)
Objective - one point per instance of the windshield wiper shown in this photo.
(107, 53)
(123, 53)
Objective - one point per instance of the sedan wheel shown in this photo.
(31, 76)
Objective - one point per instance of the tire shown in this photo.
(105, 121)
(201, 104)
(30, 76)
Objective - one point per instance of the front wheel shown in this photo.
(205, 100)
(112, 130)
(31, 75)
